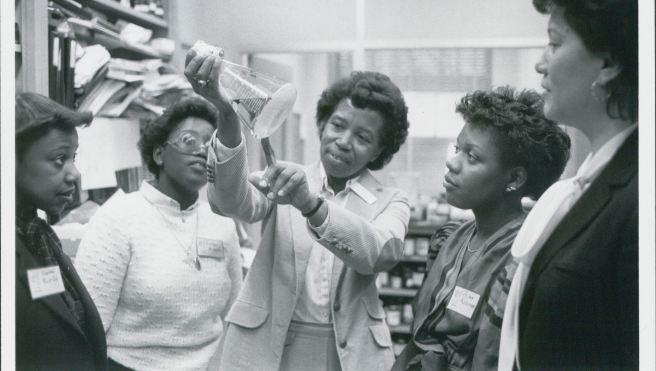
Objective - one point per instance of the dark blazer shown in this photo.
(47, 335)
(580, 305)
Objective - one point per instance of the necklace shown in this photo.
(196, 258)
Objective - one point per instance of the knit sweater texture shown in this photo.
(136, 259)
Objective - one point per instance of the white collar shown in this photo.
(157, 198)
(595, 162)
(352, 184)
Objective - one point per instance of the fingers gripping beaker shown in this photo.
(262, 102)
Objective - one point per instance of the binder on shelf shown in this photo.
(62, 66)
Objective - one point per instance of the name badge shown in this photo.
(363, 193)
(463, 301)
(211, 248)
(45, 281)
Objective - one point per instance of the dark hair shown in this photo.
(37, 115)
(25, 139)
(375, 91)
(156, 132)
(524, 136)
(607, 26)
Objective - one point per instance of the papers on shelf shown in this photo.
(120, 102)
(94, 58)
(100, 95)
(133, 33)
(157, 85)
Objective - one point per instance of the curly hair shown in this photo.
(374, 91)
(607, 26)
(156, 132)
(524, 136)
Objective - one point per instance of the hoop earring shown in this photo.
(510, 189)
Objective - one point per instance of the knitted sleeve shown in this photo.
(102, 259)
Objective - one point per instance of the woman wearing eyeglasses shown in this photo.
(163, 269)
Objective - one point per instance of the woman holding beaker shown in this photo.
(310, 300)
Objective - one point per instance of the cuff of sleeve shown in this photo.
(221, 152)
(319, 230)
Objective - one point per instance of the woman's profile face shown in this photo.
(46, 174)
(184, 155)
(350, 139)
(476, 176)
(568, 71)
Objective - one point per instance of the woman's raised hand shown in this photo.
(202, 71)
(285, 183)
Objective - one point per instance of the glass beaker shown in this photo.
(262, 102)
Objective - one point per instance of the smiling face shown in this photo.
(476, 176)
(46, 173)
(568, 70)
(350, 139)
(184, 171)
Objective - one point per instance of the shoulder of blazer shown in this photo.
(619, 172)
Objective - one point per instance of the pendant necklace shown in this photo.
(195, 259)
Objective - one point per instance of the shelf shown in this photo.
(400, 329)
(422, 229)
(413, 259)
(112, 8)
(120, 48)
(404, 293)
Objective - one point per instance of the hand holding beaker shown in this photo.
(202, 70)
(261, 102)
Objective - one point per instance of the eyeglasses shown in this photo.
(189, 142)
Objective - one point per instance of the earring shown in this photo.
(598, 92)
(510, 188)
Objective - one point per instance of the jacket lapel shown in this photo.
(622, 167)
(55, 303)
(366, 210)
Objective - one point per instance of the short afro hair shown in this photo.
(607, 26)
(156, 132)
(523, 135)
(374, 91)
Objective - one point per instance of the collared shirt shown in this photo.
(445, 325)
(313, 303)
(596, 162)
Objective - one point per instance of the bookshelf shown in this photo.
(32, 62)
(115, 10)
(91, 22)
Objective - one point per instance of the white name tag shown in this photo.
(45, 281)
(211, 248)
(463, 301)
(364, 193)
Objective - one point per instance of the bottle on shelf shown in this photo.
(409, 246)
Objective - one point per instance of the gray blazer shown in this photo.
(366, 238)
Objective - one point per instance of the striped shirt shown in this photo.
(457, 298)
